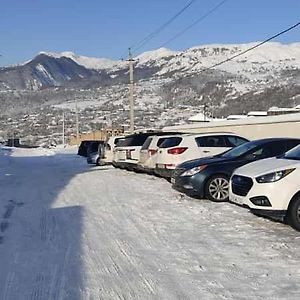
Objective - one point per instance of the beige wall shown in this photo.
(252, 128)
(99, 135)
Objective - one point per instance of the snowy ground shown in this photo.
(71, 231)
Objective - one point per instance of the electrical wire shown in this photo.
(203, 17)
(150, 36)
(251, 48)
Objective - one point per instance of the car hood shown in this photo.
(202, 161)
(266, 166)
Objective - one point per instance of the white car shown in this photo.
(148, 153)
(109, 149)
(127, 153)
(270, 187)
(180, 148)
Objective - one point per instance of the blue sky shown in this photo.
(107, 28)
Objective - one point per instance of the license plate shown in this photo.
(161, 166)
(237, 199)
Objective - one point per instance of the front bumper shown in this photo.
(190, 185)
(165, 173)
(274, 214)
(276, 193)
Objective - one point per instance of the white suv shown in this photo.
(180, 148)
(109, 147)
(127, 152)
(270, 187)
(148, 153)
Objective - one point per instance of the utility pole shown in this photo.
(63, 129)
(77, 123)
(131, 90)
(204, 111)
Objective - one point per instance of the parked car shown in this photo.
(95, 151)
(127, 152)
(82, 149)
(270, 187)
(109, 146)
(209, 177)
(178, 149)
(148, 152)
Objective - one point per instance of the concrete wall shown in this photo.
(251, 128)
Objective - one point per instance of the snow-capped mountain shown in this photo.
(257, 66)
(170, 86)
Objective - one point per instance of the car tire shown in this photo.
(217, 188)
(293, 214)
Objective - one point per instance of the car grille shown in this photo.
(177, 172)
(241, 185)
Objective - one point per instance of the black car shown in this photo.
(209, 177)
(84, 145)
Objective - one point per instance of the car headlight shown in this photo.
(194, 171)
(275, 176)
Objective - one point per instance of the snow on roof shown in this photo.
(236, 117)
(275, 108)
(257, 113)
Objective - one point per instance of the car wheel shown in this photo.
(293, 216)
(217, 188)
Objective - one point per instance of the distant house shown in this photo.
(236, 117)
(274, 111)
(257, 113)
(200, 117)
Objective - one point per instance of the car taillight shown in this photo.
(151, 152)
(177, 150)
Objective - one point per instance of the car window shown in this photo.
(241, 150)
(211, 141)
(117, 140)
(267, 150)
(277, 148)
(160, 141)
(93, 147)
(147, 143)
(234, 141)
(121, 142)
(291, 144)
(171, 142)
(258, 153)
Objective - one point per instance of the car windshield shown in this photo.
(239, 150)
(293, 154)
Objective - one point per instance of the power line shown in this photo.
(203, 17)
(150, 36)
(251, 48)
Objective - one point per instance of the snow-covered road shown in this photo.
(71, 231)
